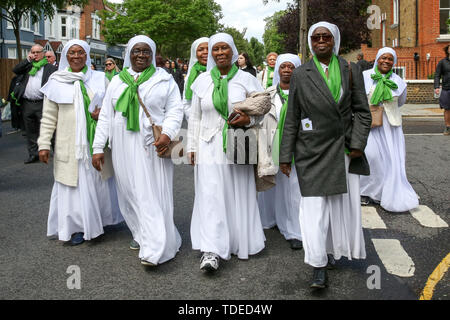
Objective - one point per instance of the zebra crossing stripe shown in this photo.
(371, 219)
(394, 257)
(427, 217)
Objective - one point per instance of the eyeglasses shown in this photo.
(36, 52)
(144, 52)
(325, 37)
(108, 64)
(76, 53)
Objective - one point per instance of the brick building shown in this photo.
(418, 31)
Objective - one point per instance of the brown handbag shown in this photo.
(157, 134)
(377, 116)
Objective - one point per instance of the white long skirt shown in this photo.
(279, 205)
(86, 208)
(145, 191)
(332, 225)
(387, 182)
(225, 218)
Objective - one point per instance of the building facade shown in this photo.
(417, 30)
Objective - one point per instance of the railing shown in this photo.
(423, 69)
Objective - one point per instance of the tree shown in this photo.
(238, 36)
(256, 51)
(14, 10)
(349, 15)
(169, 23)
(272, 37)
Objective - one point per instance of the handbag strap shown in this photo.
(350, 76)
(141, 103)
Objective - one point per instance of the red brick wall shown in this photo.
(86, 20)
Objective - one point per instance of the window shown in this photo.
(25, 22)
(96, 26)
(63, 27)
(444, 15)
(51, 26)
(9, 25)
(74, 28)
(36, 27)
(12, 53)
(395, 11)
(400, 71)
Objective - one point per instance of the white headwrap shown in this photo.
(220, 37)
(286, 57)
(64, 64)
(368, 81)
(132, 42)
(194, 47)
(334, 31)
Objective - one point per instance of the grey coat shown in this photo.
(319, 153)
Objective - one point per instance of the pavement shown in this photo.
(421, 110)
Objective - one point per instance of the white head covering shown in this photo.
(368, 81)
(286, 57)
(132, 42)
(334, 31)
(194, 47)
(220, 37)
(64, 63)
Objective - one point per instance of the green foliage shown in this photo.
(15, 9)
(256, 52)
(238, 37)
(273, 40)
(172, 24)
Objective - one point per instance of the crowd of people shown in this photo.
(323, 152)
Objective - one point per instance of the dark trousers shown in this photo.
(32, 114)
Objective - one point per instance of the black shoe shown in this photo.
(77, 238)
(365, 201)
(31, 159)
(295, 244)
(320, 278)
(331, 265)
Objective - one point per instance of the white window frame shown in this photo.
(61, 25)
(51, 28)
(10, 53)
(25, 23)
(400, 71)
(95, 34)
(74, 31)
(395, 12)
(443, 35)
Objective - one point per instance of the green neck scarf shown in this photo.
(128, 102)
(37, 66)
(196, 70)
(334, 76)
(91, 124)
(383, 89)
(220, 97)
(280, 126)
(110, 74)
(270, 71)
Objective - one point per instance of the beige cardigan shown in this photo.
(62, 118)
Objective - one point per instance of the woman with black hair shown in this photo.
(245, 64)
(443, 70)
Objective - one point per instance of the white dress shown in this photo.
(225, 217)
(144, 180)
(280, 205)
(385, 151)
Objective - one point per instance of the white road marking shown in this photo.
(371, 219)
(394, 257)
(423, 134)
(427, 217)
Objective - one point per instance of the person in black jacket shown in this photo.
(244, 63)
(443, 71)
(363, 64)
(33, 73)
(180, 76)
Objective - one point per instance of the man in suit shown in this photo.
(363, 64)
(33, 73)
(327, 124)
(51, 58)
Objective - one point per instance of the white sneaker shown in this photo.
(147, 263)
(209, 261)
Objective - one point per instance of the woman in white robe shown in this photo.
(82, 203)
(279, 206)
(197, 65)
(387, 183)
(144, 180)
(225, 218)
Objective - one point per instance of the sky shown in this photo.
(248, 14)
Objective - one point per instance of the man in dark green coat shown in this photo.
(327, 124)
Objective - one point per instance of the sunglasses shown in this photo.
(108, 64)
(325, 37)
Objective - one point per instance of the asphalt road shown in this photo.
(34, 267)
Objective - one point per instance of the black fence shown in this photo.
(409, 69)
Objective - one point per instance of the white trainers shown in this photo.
(209, 261)
(147, 263)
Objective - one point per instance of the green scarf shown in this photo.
(128, 102)
(196, 70)
(334, 73)
(91, 124)
(383, 89)
(37, 66)
(270, 71)
(110, 74)
(220, 97)
(280, 126)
